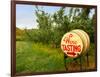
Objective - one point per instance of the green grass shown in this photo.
(36, 57)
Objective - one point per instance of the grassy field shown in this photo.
(36, 57)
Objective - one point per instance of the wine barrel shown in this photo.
(75, 43)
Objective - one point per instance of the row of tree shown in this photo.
(51, 27)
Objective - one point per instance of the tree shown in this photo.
(44, 23)
(51, 28)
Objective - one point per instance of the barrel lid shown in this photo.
(71, 44)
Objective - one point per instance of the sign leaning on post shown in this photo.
(74, 44)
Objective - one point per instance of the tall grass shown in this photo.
(37, 57)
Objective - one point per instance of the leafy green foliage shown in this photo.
(52, 27)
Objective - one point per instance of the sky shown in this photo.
(26, 18)
(25, 15)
